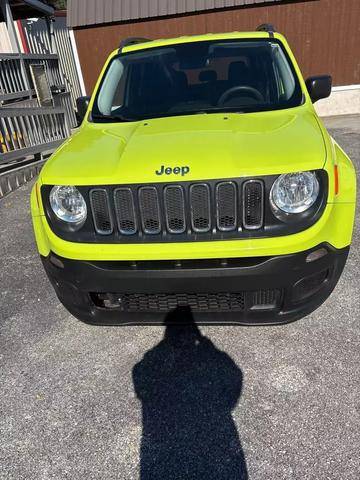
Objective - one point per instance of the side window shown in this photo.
(110, 87)
(119, 96)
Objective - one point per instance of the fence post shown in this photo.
(50, 26)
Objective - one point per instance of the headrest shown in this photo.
(238, 70)
(181, 79)
(208, 76)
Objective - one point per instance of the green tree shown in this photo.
(57, 4)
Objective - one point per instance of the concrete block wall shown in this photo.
(342, 101)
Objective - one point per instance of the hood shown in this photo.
(193, 147)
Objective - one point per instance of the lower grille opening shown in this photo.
(198, 302)
(266, 299)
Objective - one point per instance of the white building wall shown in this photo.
(342, 101)
(5, 44)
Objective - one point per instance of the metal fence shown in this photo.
(52, 68)
(36, 33)
(15, 78)
(64, 100)
(16, 82)
(14, 178)
(37, 103)
(29, 131)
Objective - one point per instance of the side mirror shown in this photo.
(82, 104)
(319, 87)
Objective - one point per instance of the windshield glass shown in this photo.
(197, 77)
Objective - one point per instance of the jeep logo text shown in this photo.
(169, 170)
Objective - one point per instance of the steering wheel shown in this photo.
(240, 89)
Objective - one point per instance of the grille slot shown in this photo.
(101, 212)
(200, 207)
(253, 204)
(174, 209)
(226, 208)
(125, 211)
(149, 210)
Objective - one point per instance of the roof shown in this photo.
(194, 38)
(93, 12)
(29, 8)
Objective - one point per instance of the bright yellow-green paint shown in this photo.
(214, 146)
(334, 227)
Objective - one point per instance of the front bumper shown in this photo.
(254, 290)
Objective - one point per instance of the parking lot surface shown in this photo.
(84, 402)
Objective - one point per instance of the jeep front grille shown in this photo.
(174, 210)
(182, 211)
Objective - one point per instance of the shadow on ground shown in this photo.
(188, 389)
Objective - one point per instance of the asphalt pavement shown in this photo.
(84, 402)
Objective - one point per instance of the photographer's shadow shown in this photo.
(188, 389)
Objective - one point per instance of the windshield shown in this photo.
(197, 77)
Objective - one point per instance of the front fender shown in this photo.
(41, 238)
(346, 176)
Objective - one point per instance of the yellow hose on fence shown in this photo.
(15, 137)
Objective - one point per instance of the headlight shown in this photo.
(294, 192)
(68, 204)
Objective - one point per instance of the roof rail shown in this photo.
(131, 41)
(266, 27)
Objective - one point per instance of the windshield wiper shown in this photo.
(112, 118)
(204, 111)
(218, 110)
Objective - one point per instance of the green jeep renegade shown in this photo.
(201, 177)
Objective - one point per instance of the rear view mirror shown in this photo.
(82, 104)
(319, 87)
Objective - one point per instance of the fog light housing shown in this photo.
(308, 286)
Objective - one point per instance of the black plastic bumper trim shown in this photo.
(76, 281)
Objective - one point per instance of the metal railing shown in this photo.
(29, 131)
(13, 82)
(15, 78)
(64, 100)
(38, 40)
(11, 179)
(52, 68)
(22, 103)
(16, 83)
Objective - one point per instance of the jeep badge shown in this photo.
(176, 170)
